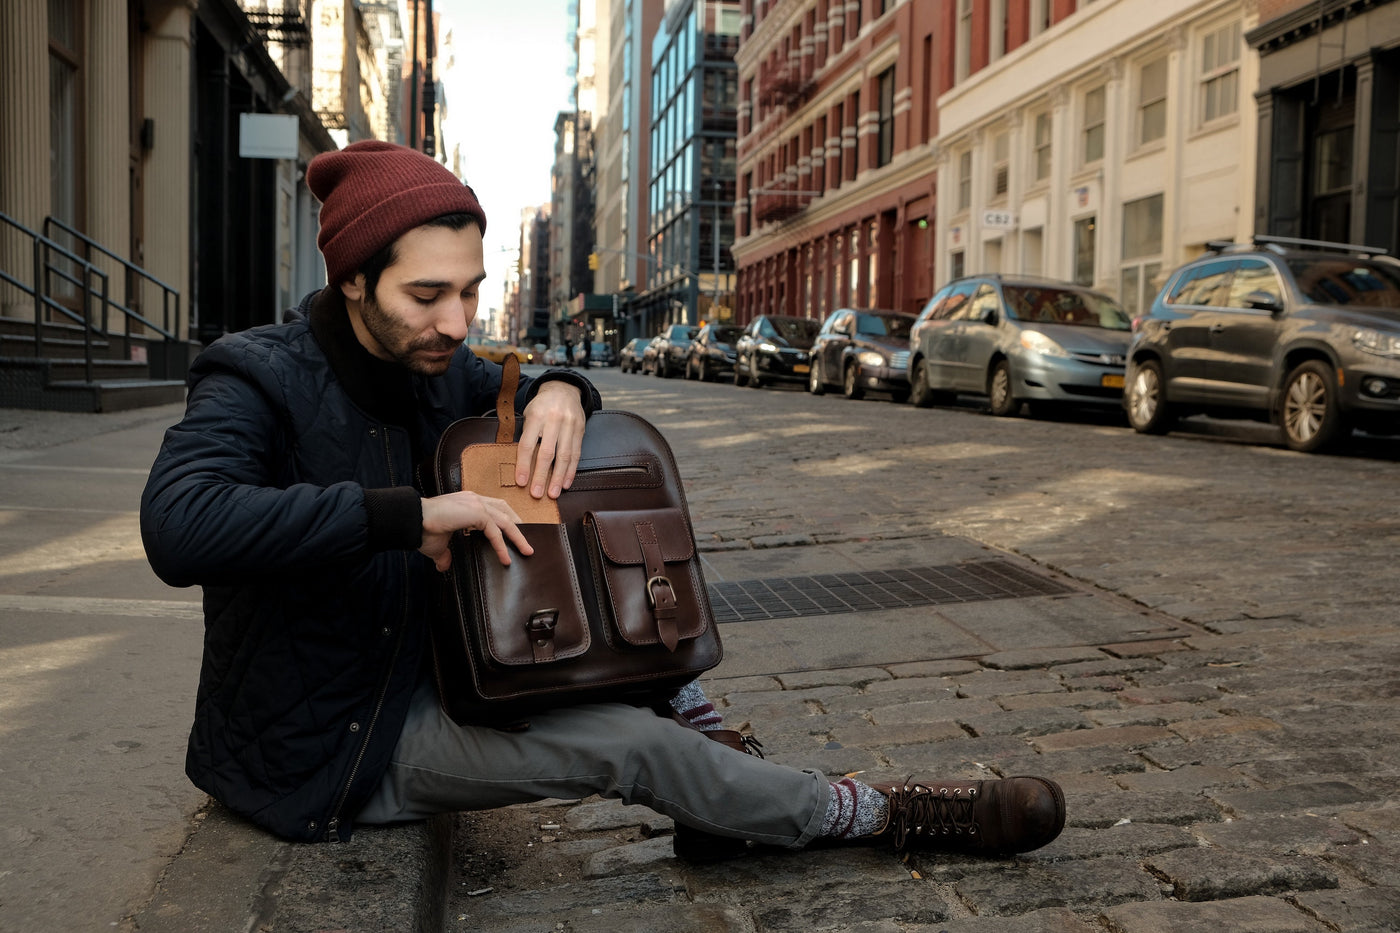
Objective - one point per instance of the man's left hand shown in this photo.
(551, 441)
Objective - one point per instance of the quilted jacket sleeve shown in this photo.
(219, 505)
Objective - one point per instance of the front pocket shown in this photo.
(644, 566)
(530, 612)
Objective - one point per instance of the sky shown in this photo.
(509, 83)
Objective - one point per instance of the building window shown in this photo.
(838, 294)
(1093, 130)
(1142, 252)
(1032, 251)
(1001, 165)
(885, 149)
(965, 180)
(1084, 251)
(1040, 154)
(872, 265)
(957, 265)
(837, 124)
(1220, 73)
(1152, 101)
(962, 54)
(853, 163)
(854, 283)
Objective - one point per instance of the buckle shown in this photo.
(658, 580)
(541, 626)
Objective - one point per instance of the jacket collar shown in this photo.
(383, 389)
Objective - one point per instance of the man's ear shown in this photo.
(354, 289)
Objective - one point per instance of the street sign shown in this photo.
(999, 220)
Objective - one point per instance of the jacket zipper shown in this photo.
(333, 825)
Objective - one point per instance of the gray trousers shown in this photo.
(610, 749)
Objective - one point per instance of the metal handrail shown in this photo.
(167, 292)
(42, 247)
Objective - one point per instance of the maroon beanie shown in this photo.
(372, 193)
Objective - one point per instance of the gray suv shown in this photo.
(1302, 333)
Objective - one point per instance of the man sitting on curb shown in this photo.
(288, 493)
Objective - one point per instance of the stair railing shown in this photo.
(133, 272)
(93, 283)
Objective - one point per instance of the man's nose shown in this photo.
(454, 320)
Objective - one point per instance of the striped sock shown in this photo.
(692, 704)
(854, 809)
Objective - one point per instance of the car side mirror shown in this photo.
(987, 316)
(1263, 301)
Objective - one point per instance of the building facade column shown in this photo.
(24, 126)
(108, 165)
(168, 196)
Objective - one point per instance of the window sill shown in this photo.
(1228, 122)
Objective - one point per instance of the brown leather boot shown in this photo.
(1003, 817)
(696, 845)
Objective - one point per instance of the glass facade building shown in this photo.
(694, 99)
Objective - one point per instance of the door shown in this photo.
(1243, 337)
(1199, 299)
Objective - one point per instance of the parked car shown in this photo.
(648, 356)
(672, 346)
(1019, 339)
(1302, 333)
(774, 348)
(860, 350)
(598, 354)
(557, 355)
(493, 349)
(712, 352)
(629, 358)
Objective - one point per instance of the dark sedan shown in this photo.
(672, 346)
(712, 352)
(860, 350)
(774, 348)
(629, 358)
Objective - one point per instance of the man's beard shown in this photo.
(397, 339)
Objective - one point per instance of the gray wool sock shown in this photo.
(696, 708)
(854, 809)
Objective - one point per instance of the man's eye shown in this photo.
(425, 299)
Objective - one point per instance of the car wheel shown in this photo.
(814, 380)
(755, 381)
(1146, 406)
(1309, 413)
(850, 383)
(661, 368)
(1004, 401)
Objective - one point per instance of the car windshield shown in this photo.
(884, 325)
(681, 332)
(726, 334)
(790, 327)
(1341, 281)
(1064, 306)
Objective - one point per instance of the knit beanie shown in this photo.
(372, 193)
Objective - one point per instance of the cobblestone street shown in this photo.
(1216, 691)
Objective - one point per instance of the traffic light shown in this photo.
(593, 261)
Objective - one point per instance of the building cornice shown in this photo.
(1304, 21)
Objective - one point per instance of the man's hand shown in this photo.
(551, 441)
(445, 515)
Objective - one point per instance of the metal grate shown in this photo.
(865, 591)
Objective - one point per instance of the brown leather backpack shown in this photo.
(612, 605)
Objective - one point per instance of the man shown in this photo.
(288, 492)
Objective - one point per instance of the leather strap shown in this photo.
(660, 595)
(505, 399)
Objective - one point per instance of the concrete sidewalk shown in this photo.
(1228, 773)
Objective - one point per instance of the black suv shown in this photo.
(1302, 333)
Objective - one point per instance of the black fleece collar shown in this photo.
(382, 388)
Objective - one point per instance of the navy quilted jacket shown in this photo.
(294, 507)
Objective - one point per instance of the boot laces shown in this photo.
(919, 811)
